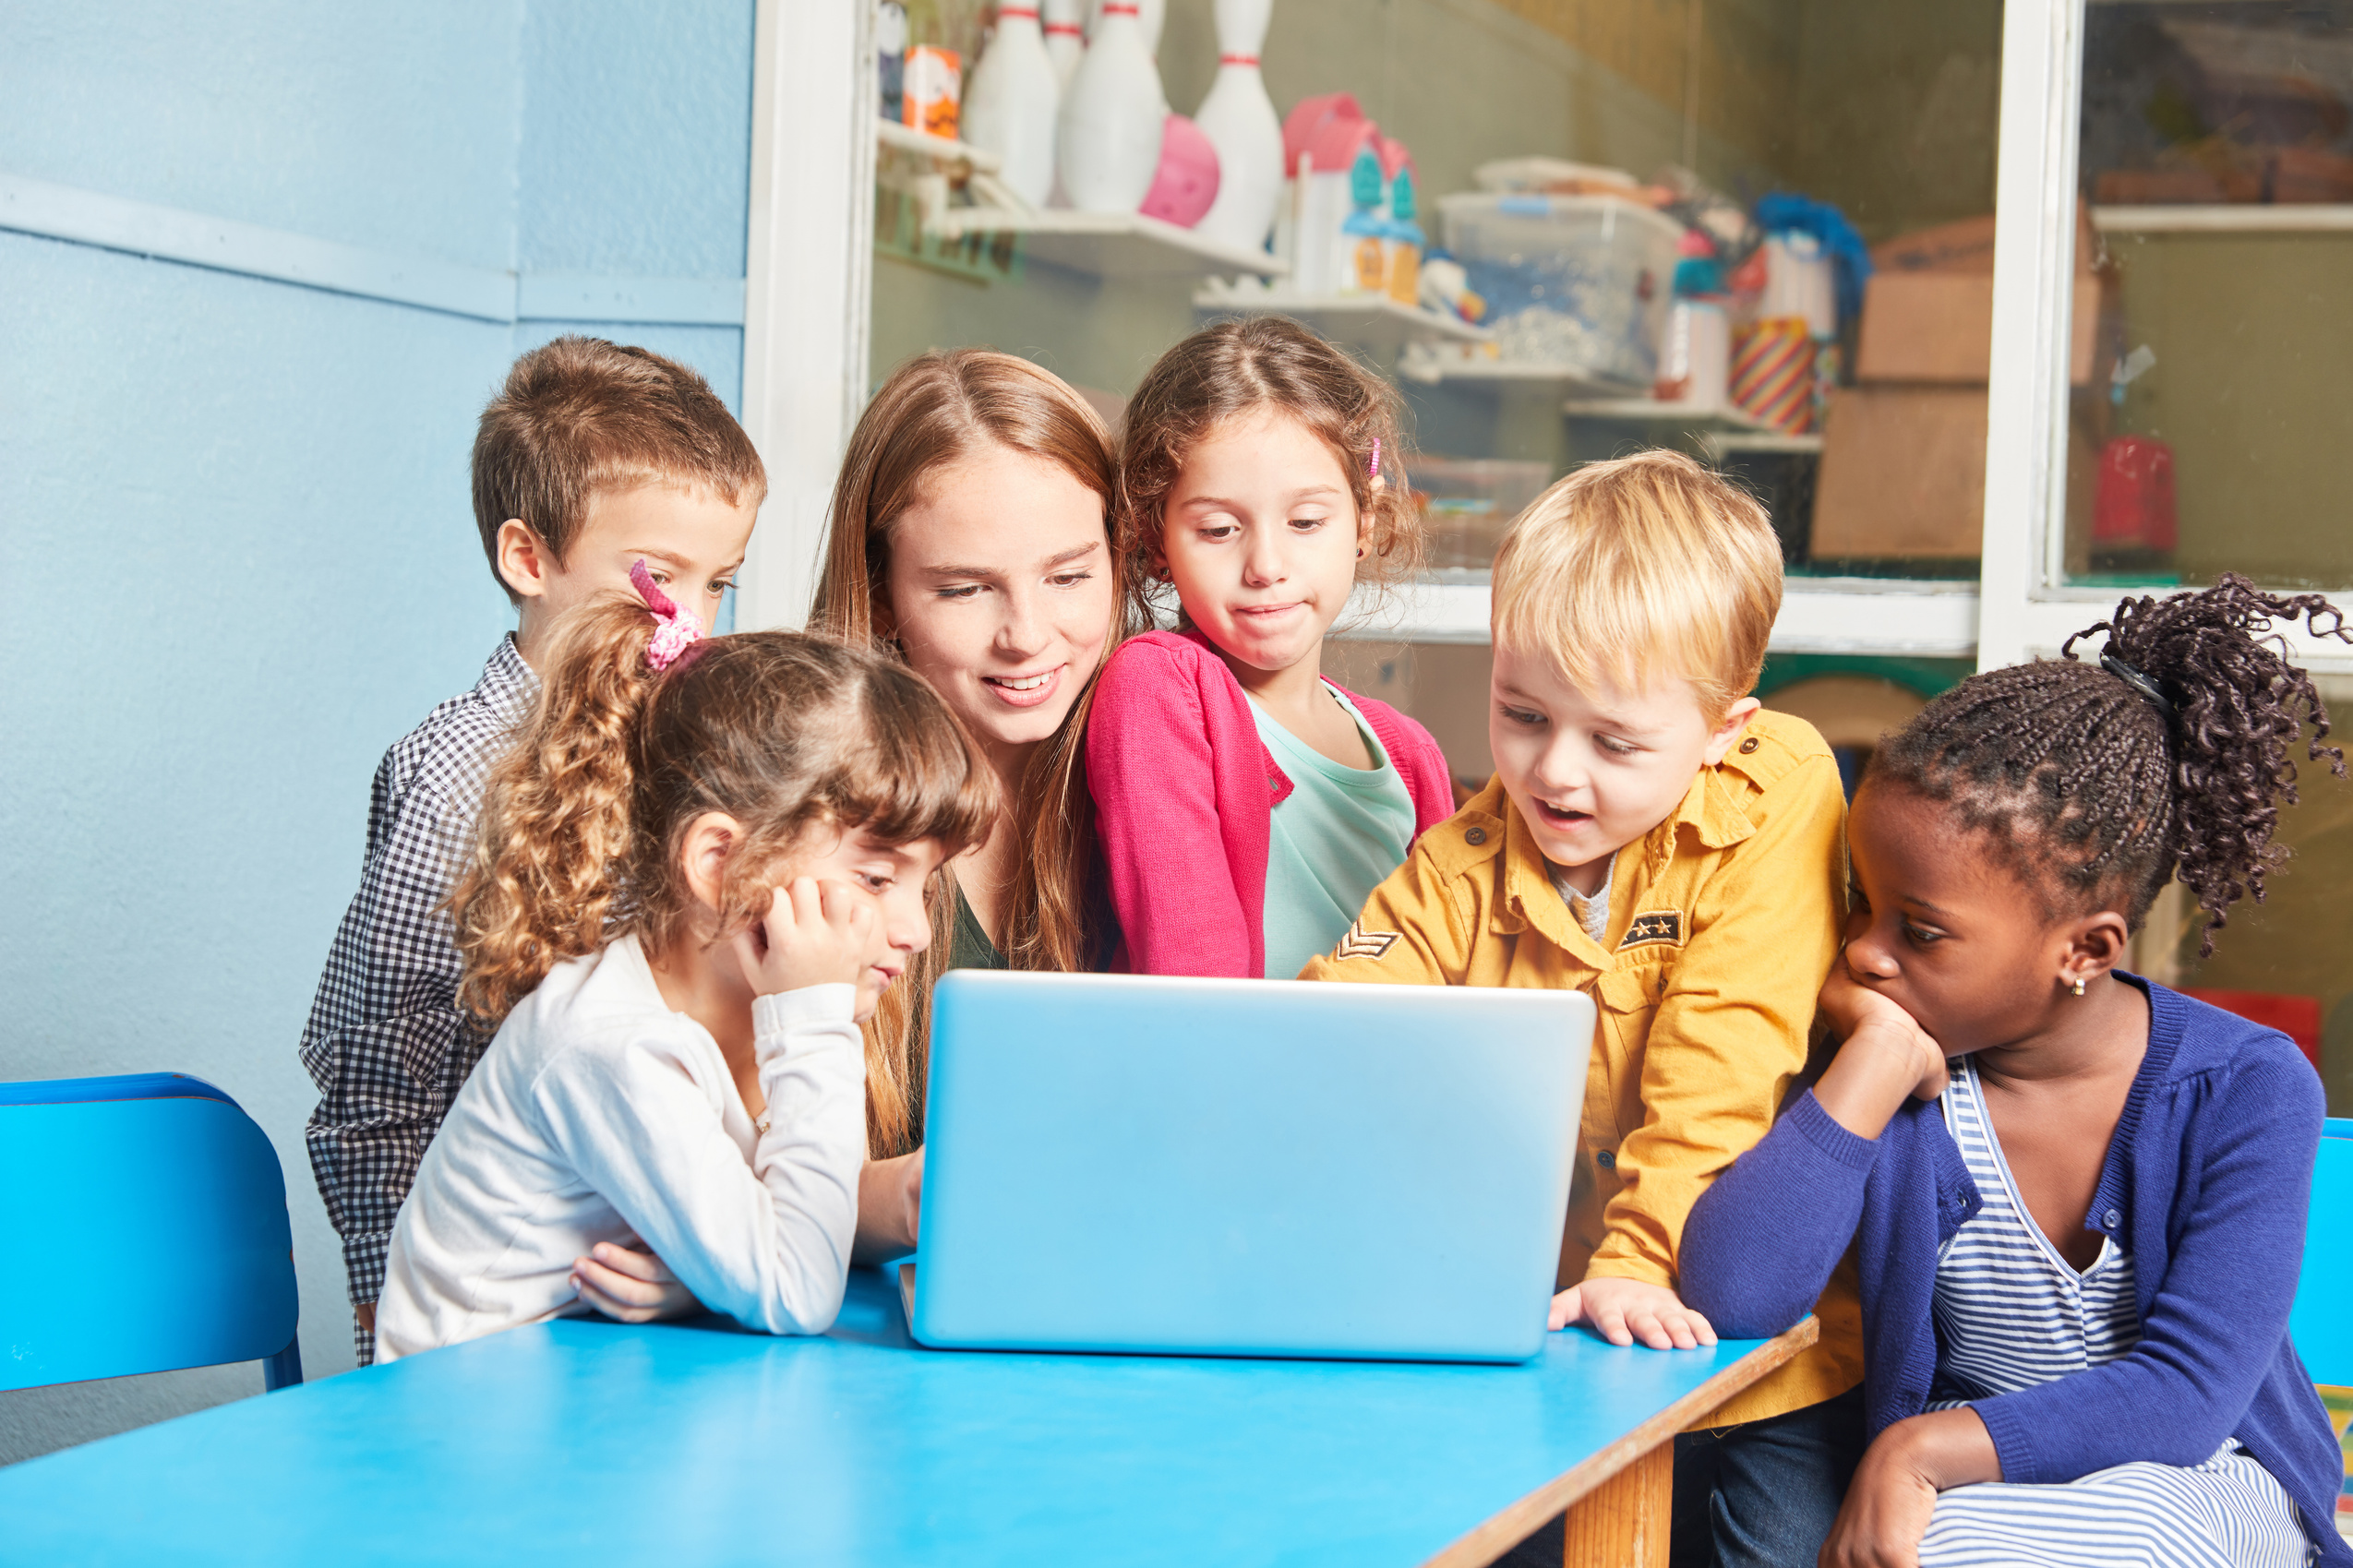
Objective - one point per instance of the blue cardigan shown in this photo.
(2207, 1184)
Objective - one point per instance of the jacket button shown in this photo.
(1475, 836)
(1747, 745)
(2111, 1219)
(1606, 1160)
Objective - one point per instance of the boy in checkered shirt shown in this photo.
(591, 457)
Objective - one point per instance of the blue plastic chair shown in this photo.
(145, 1218)
(2320, 1324)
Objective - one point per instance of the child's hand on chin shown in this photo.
(1622, 1310)
(814, 934)
(1867, 1021)
(634, 1286)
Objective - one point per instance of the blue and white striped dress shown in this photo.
(2012, 1314)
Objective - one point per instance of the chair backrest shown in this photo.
(2322, 1323)
(145, 1219)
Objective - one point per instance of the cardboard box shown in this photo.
(1965, 246)
(1903, 474)
(1968, 247)
(1938, 328)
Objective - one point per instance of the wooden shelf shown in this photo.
(1828, 615)
(1106, 245)
(1725, 430)
(1435, 362)
(1372, 320)
(2240, 218)
(1763, 441)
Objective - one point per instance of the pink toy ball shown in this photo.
(1186, 182)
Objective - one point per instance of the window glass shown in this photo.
(2216, 392)
(1544, 137)
(1561, 152)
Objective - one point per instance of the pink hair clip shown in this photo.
(678, 630)
(1372, 469)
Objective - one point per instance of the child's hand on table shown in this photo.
(814, 934)
(636, 1288)
(1621, 1310)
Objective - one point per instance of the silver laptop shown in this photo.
(1245, 1168)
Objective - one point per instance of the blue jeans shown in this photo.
(1762, 1494)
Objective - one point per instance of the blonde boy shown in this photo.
(1654, 839)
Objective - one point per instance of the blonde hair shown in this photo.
(1270, 362)
(935, 411)
(1643, 566)
(582, 822)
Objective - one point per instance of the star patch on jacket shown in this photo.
(1361, 943)
(1656, 926)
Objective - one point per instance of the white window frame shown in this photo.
(2026, 608)
(810, 268)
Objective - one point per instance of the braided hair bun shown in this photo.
(2099, 782)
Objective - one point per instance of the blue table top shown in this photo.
(579, 1442)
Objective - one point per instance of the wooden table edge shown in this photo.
(1505, 1529)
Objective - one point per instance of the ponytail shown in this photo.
(582, 822)
(546, 880)
(2099, 782)
(2209, 665)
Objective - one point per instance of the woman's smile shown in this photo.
(1025, 691)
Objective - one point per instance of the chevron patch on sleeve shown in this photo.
(1657, 925)
(1361, 943)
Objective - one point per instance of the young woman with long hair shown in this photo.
(969, 539)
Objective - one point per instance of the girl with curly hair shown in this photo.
(1247, 805)
(699, 870)
(2077, 1198)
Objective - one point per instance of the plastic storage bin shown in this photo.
(1580, 284)
(1468, 502)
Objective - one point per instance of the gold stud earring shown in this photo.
(2079, 985)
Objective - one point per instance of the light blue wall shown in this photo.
(234, 512)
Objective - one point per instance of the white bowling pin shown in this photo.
(1240, 121)
(1108, 145)
(1153, 14)
(1010, 103)
(1065, 40)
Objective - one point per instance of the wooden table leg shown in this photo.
(1623, 1522)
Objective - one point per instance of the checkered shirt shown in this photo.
(387, 1043)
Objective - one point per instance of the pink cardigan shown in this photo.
(1185, 794)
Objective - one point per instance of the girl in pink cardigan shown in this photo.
(1246, 806)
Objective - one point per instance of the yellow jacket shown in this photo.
(1723, 922)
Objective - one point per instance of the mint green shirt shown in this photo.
(1338, 833)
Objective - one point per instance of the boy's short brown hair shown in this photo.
(582, 415)
(1646, 566)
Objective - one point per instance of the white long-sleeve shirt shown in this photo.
(598, 1113)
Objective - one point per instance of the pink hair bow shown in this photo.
(677, 630)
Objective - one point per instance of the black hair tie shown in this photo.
(2137, 682)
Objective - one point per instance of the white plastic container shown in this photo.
(1580, 284)
(1467, 502)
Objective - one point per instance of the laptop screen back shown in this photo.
(1246, 1167)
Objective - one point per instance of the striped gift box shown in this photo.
(1773, 374)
